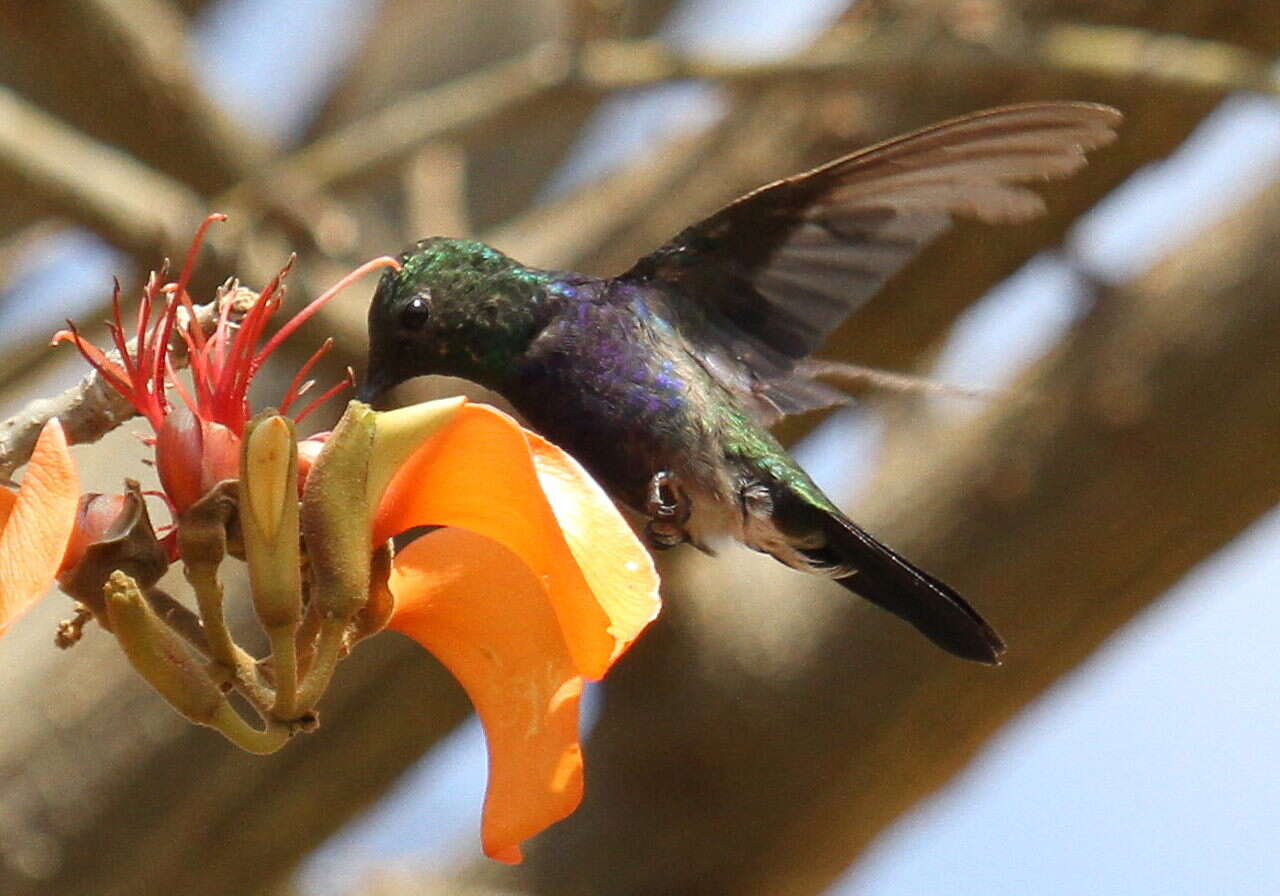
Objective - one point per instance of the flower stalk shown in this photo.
(202, 543)
(158, 654)
(270, 532)
(161, 657)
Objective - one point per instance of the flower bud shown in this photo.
(159, 654)
(194, 455)
(269, 519)
(113, 532)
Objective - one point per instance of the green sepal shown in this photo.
(344, 488)
(336, 518)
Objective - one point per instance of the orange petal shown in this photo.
(616, 566)
(482, 613)
(478, 474)
(37, 524)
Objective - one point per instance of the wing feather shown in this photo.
(766, 279)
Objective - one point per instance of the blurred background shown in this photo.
(1114, 515)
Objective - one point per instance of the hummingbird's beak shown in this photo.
(370, 391)
(380, 377)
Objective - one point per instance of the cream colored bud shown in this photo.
(268, 495)
(270, 471)
(336, 516)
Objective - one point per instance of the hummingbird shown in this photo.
(663, 381)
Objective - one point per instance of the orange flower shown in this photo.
(36, 524)
(539, 584)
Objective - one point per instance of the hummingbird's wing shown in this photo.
(773, 273)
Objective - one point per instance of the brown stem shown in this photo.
(396, 131)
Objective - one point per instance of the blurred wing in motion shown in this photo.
(770, 275)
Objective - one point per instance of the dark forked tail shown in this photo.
(893, 583)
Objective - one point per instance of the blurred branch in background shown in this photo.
(476, 100)
(763, 734)
(123, 76)
(133, 206)
(875, 50)
(909, 317)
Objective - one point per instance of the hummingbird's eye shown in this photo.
(414, 315)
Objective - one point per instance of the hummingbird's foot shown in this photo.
(669, 509)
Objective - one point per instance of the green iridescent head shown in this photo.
(457, 307)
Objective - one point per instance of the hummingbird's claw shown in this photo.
(664, 535)
(669, 509)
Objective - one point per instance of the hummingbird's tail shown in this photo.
(893, 583)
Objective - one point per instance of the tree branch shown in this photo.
(129, 204)
(604, 66)
(123, 76)
(91, 408)
(395, 131)
(804, 727)
(1070, 48)
(905, 320)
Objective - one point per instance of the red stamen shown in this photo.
(117, 339)
(347, 382)
(249, 337)
(168, 502)
(144, 314)
(296, 388)
(190, 332)
(164, 327)
(117, 330)
(222, 332)
(181, 389)
(386, 261)
(150, 343)
(231, 390)
(251, 331)
(107, 368)
(201, 375)
(184, 277)
(167, 534)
